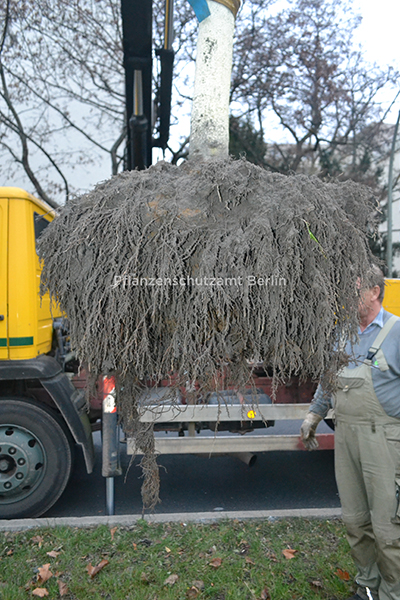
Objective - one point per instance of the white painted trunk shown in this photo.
(209, 135)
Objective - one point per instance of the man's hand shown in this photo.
(307, 430)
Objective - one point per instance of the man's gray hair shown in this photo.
(373, 277)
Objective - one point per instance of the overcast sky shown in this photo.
(379, 36)
(379, 31)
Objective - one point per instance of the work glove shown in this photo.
(307, 430)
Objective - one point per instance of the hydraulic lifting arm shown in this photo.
(141, 114)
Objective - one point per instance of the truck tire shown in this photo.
(36, 455)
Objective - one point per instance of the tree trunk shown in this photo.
(209, 136)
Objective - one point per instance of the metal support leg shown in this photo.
(110, 496)
(111, 466)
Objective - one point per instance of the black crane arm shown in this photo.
(137, 19)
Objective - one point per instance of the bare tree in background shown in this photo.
(303, 82)
(298, 84)
(61, 97)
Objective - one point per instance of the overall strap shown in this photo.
(381, 337)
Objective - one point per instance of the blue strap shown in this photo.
(200, 8)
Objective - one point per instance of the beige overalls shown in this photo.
(367, 465)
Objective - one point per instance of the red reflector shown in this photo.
(108, 385)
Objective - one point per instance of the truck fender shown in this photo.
(69, 401)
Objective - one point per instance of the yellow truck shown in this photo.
(43, 416)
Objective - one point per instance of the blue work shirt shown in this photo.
(386, 383)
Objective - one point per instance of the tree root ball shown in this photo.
(194, 271)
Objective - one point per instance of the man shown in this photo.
(367, 445)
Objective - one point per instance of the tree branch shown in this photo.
(25, 151)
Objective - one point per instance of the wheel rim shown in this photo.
(22, 463)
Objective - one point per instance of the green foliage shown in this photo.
(245, 140)
(329, 163)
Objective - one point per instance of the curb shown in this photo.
(190, 517)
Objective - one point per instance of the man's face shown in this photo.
(368, 299)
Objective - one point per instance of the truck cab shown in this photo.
(42, 415)
(26, 325)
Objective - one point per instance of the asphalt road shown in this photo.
(278, 480)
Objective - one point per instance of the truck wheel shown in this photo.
(35, 458)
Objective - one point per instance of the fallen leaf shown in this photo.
(249, 561)
(94, 570)
(62, 588)
(199, 583)
(289, 553)
(167, 549)
(171, 580)
(344, 575)
(53, 554)
(192, 592)
(10, 552)
(112, 531)
(215, 563)
(37, 539)
(316, 584)
(134, 546)
(40, 592)
(265, 594)
(44, 573)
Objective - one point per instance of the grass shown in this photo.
(232, 560)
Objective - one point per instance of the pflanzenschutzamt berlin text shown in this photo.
(130, 281)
